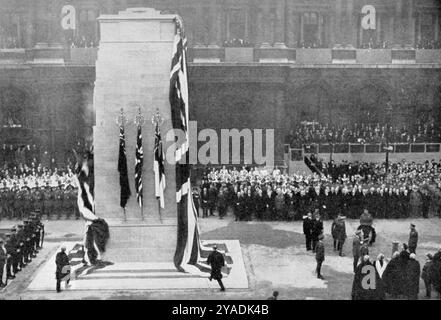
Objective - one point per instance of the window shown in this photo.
(12, 106)
(427, 27)
(9, 28)
(237, 24)
(311, 29)
(87, 34)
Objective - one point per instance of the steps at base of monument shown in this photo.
(140, 254)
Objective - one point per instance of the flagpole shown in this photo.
(159, 211)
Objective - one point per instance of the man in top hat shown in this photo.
(216, 261)
(413, 239)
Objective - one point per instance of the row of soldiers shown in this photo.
(276, 202)
(18, 203)
(21, 246)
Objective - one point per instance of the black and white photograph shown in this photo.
(221, 150)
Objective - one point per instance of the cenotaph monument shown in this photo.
(133, 75)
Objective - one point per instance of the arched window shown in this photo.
(12, 107)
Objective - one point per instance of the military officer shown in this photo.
(10, 250)
(47, 200)
(21, 239)
(58, 200)
(38, 199)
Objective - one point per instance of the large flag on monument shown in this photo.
(158, 167)
(122, 169)
(139, 162)
(188, 248)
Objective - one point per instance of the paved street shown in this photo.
(274, 257)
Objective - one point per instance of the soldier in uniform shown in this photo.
(58, 200)
(27, 199)
(19, 203)
(3, 203)
(10, 196)
(10, 250)
(38, 199)
(30, 239)
(21, 239)
(39, 231)
(15, 242)
(47, 200)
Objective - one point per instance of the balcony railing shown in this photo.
(371, 148)
(210, 54)
(44, 53)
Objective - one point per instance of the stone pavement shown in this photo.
(273, 254)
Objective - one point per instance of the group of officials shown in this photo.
(19, 247)
(271, 195)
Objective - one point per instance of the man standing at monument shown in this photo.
(61, 260)
(319, 256)
(216, 261)
(413, 239)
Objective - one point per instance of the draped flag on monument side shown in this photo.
(139, 162)
(122, 168)
(188, 248)
(158, 167)
(85, 201)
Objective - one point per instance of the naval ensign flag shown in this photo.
(158, 167)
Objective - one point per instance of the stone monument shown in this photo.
(132, 74)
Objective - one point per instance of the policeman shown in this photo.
(39, 231)
(10, 250)
(29, 240)
(15, 250)
(21, 239)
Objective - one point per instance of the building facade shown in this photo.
(252, 63)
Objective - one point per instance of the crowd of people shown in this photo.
(362, 133)
(398, 278)
(19, 246)
(375, 279)
(36, 188)
(408, 190)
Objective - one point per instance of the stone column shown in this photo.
(319, 28)
(391, 29)
(411, 23)
(259, 36)
(301, 28)
(351, 31)
(266, 23)
(212, 38)
(291, 28)
(436, 26)
(331, 29)
(337, 22)
(279, 36)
